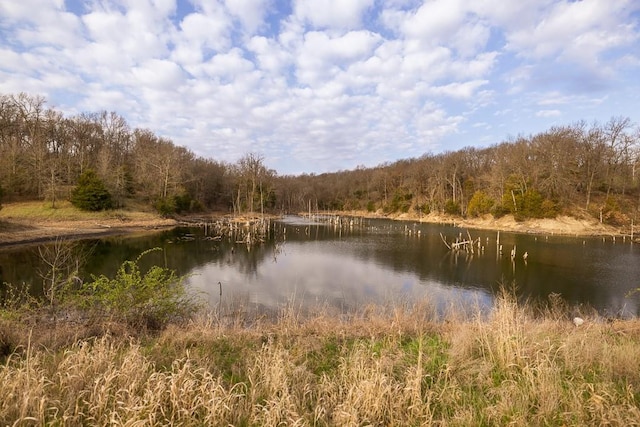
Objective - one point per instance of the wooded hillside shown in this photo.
(582, 168)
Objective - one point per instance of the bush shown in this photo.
(401, 202)
(371, 206)
(165, 206)
(611, 213)
(550, 209)
(532, 204)
(150, 300)
(528, 204)
(183, 202)
(498, 211)
(90, 194)
(480, 204)
(423, 208)
(451, 207)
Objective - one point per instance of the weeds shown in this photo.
(149, 300)
(386, 366)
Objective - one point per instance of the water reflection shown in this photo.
(357, 262)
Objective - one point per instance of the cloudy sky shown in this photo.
(325, 85)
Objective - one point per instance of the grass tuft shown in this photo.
(391, 365)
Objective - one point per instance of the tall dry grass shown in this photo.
(395, 365)
(37, 212)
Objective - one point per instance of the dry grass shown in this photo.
(38, 211)
(392, 365)
(22, 222)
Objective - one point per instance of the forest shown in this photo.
(578, 169)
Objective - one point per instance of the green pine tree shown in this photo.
(90, 194)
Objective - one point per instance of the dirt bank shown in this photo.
(37, 222)
(564, 225)
(25, 232)
(29, 223)
(18, 227)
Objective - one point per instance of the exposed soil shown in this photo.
(19, 231)
(564, 225)
(24, 232)
(560, 225)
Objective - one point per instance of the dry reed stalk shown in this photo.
(23, 384)
(390, 365)
(278, 388)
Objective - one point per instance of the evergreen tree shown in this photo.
(90, 194)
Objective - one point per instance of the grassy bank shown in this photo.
(39, 221)
(393, 365)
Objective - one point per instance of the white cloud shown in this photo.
(250, 12)
(575, 31)
(458, 90)
(339, 14)
(271, 56)
(434, 21)
(158, 74)
(200, 34)
(326, 85)
(321, 57)
(548, 113)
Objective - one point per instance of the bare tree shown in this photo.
(62, 263)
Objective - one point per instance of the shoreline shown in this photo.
(18, 232)
(41, 235)
(28, 235)
(15, 231)
(31, 223)
(561, 225)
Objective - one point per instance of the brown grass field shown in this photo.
(395, 365)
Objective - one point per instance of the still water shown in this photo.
(308, 263)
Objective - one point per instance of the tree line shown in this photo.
(581, 168)
(43, 155)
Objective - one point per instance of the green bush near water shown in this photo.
(149, 299)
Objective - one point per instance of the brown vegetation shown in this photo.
(33, 222)
(394, 365)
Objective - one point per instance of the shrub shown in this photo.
(532, 204)
(150, 300)
(498, 211)
(527, 204)
(371, 206)
(451, 207)
(401, 202)
(183, 202)
(90, 194)
(550, 209)
(480, 204)
(423, 208)
(611, 213)
(165, 206)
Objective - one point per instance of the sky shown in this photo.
(318, 86)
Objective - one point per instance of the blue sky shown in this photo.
(317, 86)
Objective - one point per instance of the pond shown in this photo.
(361, 261)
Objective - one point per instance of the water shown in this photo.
(373, 261)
